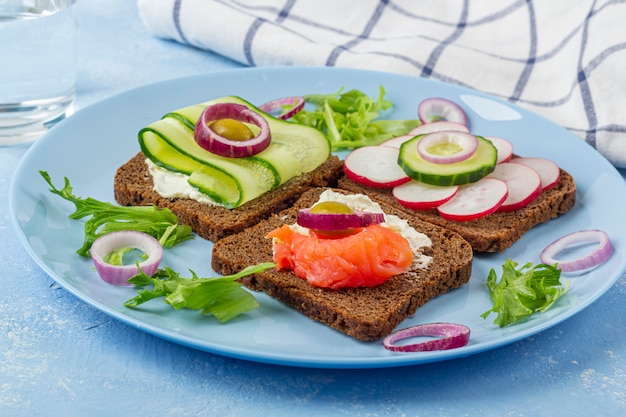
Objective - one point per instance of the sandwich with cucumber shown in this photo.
(224, 165)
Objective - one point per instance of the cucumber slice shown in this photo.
(222, 188)
(295, 149)
(170, 144)
(470, 170)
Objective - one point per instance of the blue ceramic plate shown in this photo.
(89, 146)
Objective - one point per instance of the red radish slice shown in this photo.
(397, 141)
(548, 170)
(436, 109)
(523, 182)
(437, 127)
(504, 147)
(375, 166)
(447, 147)
(419, 196)
(475, 200)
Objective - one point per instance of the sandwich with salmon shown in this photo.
(360, 267)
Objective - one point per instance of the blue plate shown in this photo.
(88, 147)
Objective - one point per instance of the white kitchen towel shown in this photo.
(563, 59)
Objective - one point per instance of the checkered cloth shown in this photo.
(563, 59)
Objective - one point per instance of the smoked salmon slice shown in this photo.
(366, 258)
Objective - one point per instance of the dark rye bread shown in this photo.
(495, 232)
(133, 186)
(363, 313)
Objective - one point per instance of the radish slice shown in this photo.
(375, 166)
(447, 147)
(452, 336)
(338, 221)
(437, 127)
(594, 258)
(523, 183)
(120, 274)
(475, 200)
(504, 148)
(548, 170)
(296, 103)
(219, 145)
(436, 109)
(419, 196)
(397, 141)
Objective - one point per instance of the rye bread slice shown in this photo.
(133, 186)
(363, 313)
(495, 232)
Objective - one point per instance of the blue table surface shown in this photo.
(61, 357)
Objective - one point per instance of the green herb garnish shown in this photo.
(223, 297)
(350, 119)
(107, 217)
(523, 291)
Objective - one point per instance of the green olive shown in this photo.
(331, 207)
(231, 129)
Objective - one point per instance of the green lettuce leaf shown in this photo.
(523, 291)
(351, 119)
(223, 297)
(107, 217)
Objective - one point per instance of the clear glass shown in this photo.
(38, 52)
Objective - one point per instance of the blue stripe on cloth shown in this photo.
(436, 53)
(585, 91)
(532, 55)
(334, 54)
(249, 39)
(254, 28)
(176, 18)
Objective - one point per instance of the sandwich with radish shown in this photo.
(474, 185)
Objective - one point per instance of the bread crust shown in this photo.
(495, 232)
(133, 186)
(363, 313)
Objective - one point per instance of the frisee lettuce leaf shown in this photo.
(523, 291)
(107, 217)
(223, 297)
(351, 119)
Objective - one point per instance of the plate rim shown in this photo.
(390, 361)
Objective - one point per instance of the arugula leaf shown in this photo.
(223, 297)
(349, 119)
(107, 217)
(523, 291)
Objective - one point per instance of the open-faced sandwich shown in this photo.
(227, 177)
(473, 185)
(360, 267)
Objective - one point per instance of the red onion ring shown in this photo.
(594, 258)
(467, 143)
(120, 274)
(337, 221)
(435, 109)
(296, 102)
(217, 144)
(452, 336)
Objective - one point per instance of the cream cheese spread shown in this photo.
(170, 184)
